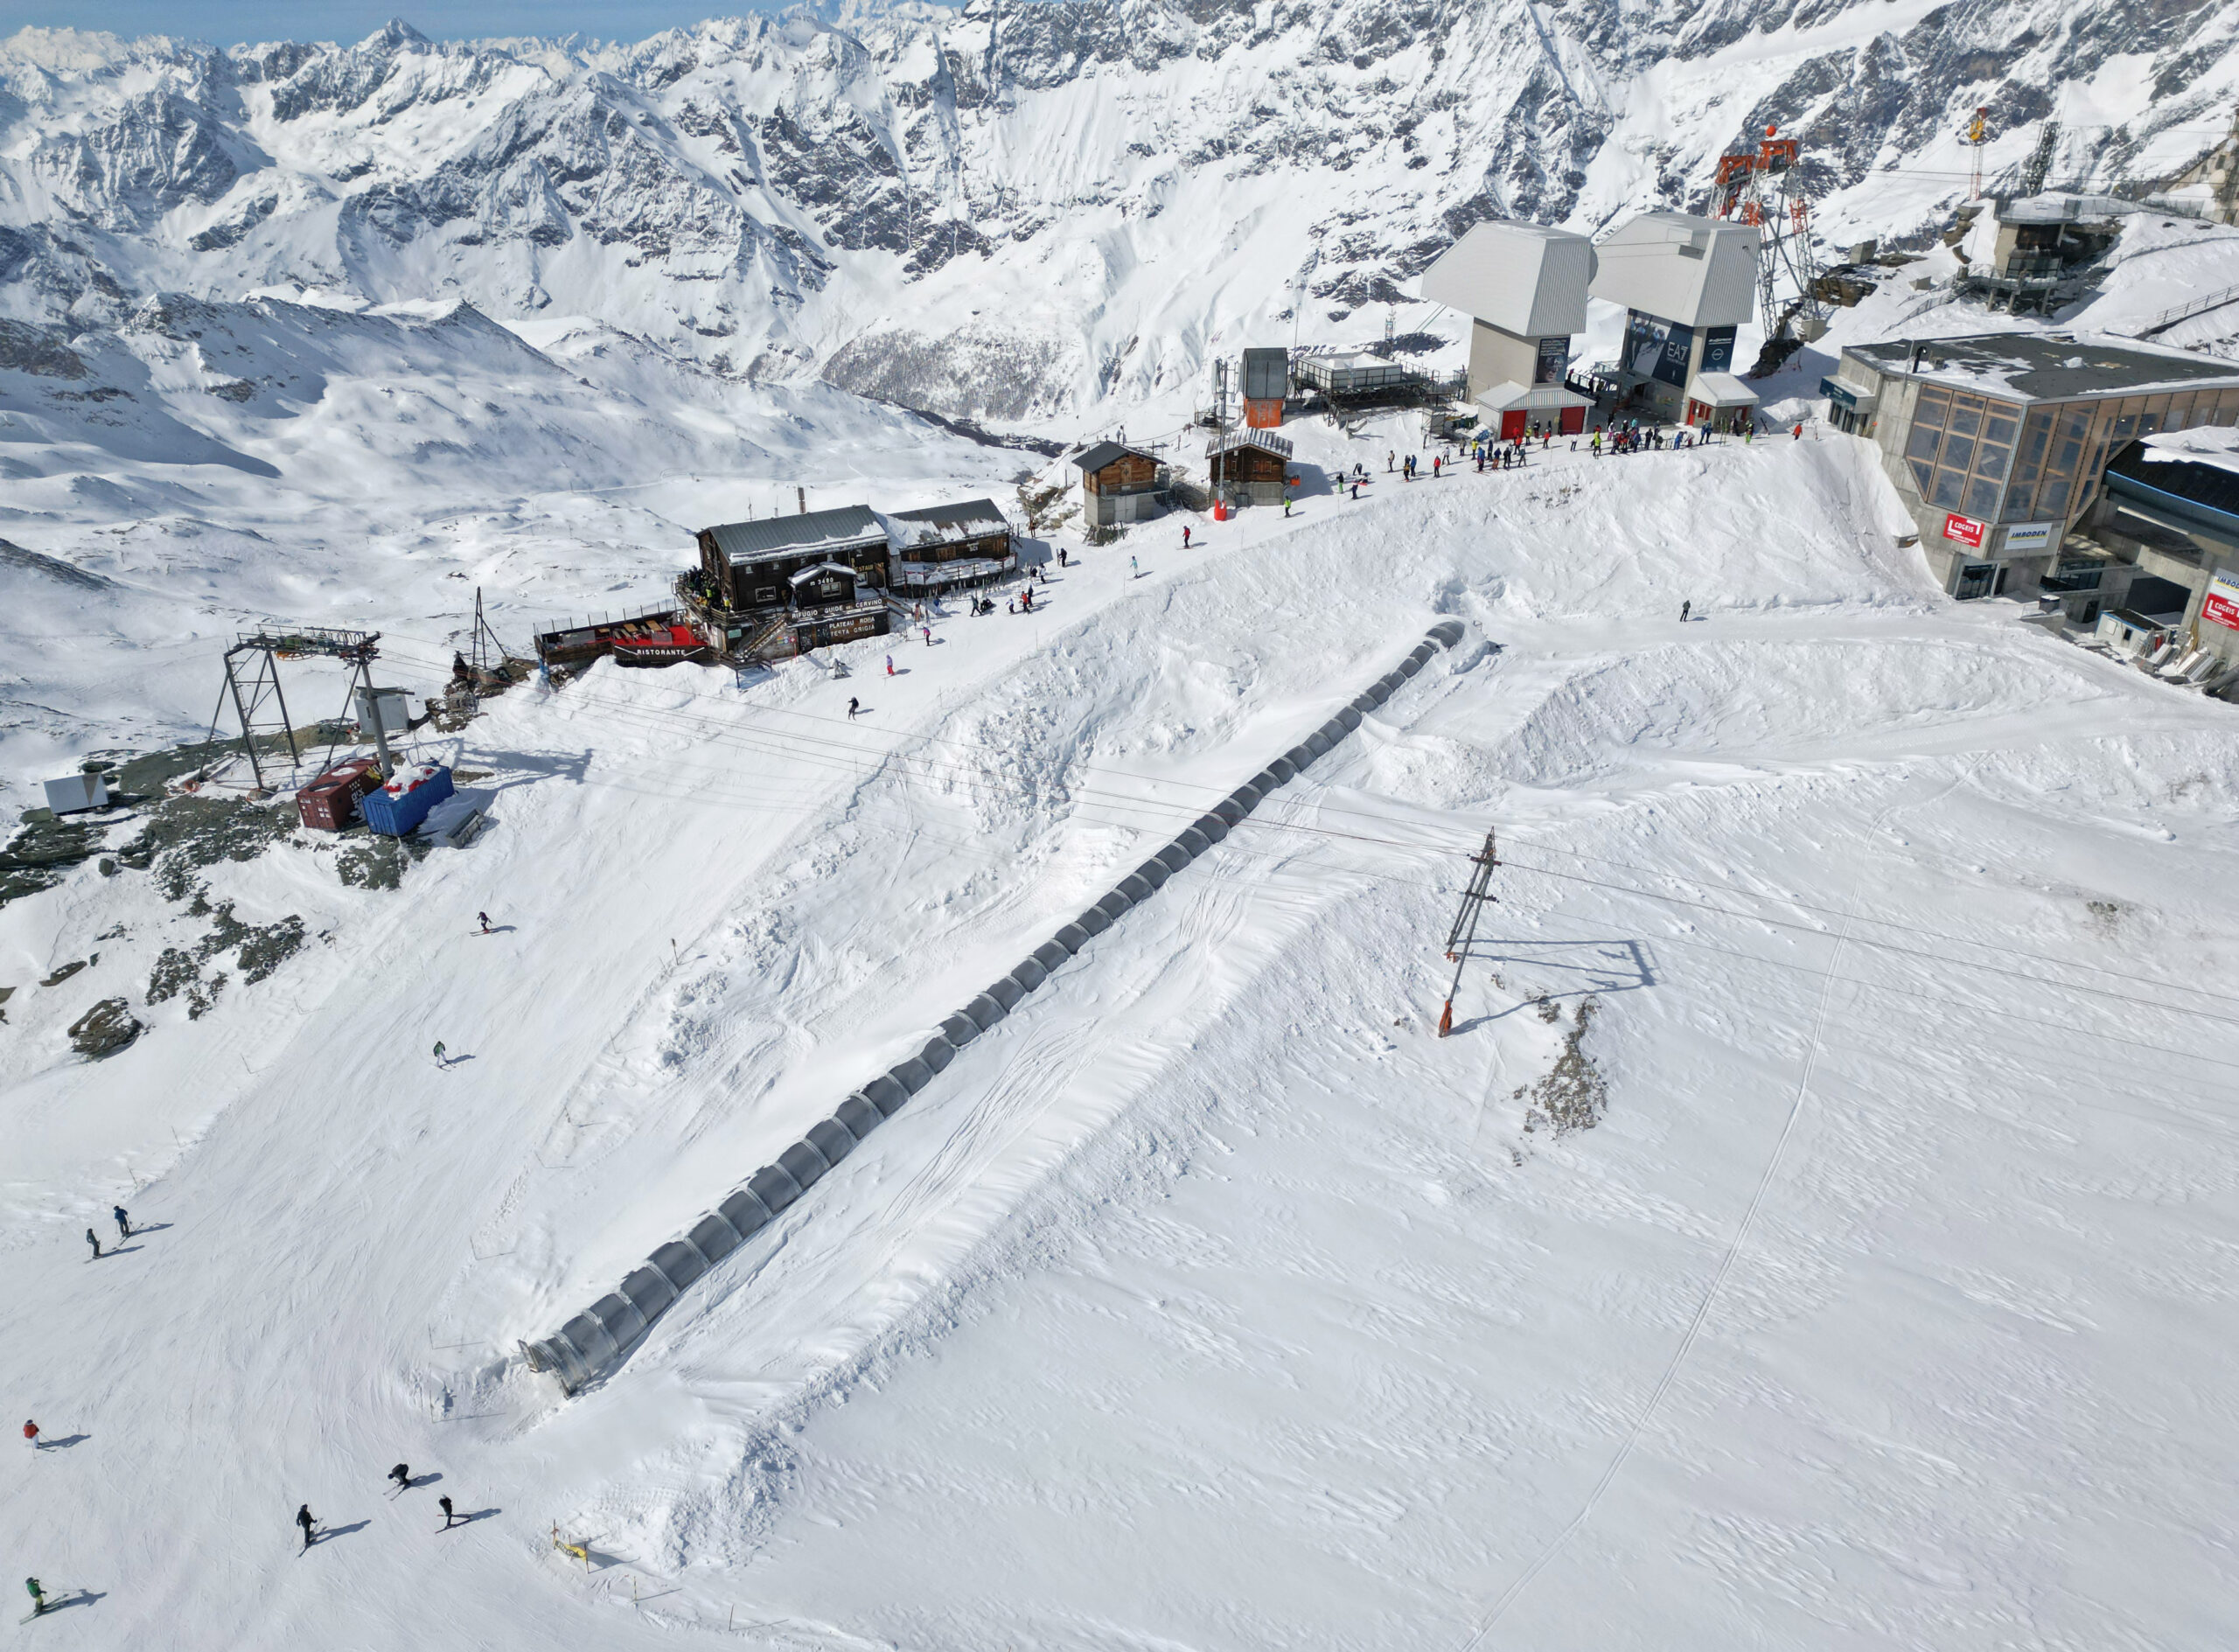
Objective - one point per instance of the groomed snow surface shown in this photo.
(1209, 1300)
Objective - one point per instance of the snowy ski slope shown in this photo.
(1207, 1300)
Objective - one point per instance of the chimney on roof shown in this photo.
(1913, 361)
(802, 493)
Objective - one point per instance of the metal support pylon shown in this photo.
(1460, 938)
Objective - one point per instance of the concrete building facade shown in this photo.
(1998, 444)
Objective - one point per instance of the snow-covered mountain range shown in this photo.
(1010, 211)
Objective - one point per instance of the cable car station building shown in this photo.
(1686, 283)
(1999, 444)
(1525, 289)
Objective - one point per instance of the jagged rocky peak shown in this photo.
(1007, 208)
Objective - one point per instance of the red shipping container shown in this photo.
(330, 803)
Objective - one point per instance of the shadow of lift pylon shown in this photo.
(1459, 939)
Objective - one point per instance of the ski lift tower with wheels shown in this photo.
(1764, 188)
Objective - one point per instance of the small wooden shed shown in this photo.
(1249, 466)
(1119, 483)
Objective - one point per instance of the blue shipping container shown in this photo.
(396, 817)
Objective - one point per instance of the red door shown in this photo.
(1512, 425)
(1573, 422)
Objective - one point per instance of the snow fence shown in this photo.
(596, 1341)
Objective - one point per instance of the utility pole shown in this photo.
(1459, 939)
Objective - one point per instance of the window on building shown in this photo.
(1966, 415)
(1994, 448)
(1982, 499)
(1931, 407)
(1923, 477)
(1975, 580)
(1949, 486)
(2029, 459)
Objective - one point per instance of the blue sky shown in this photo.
(227, 21)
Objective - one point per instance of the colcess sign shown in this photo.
(1965, 529)
(2221, 606)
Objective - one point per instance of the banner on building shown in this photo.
(2221, 606)
(1718, 350)
(2030, 536)
(1671, 364)
(1554, 357)
(1965, 529)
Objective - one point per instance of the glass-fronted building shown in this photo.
(1998, 443)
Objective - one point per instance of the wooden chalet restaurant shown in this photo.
(783, 585)
(950, 546)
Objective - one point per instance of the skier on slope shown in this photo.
(1135, 568)
(441, 1059)
(1686, 609)
(123, 1223)
(94, 1239)
(854, 706)
(30, 1432)
(445, 1503)
(483, 919)
(37, 1592)
(305, 1519)
(402, 1474)
(890, 665)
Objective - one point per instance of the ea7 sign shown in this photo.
(1965, 529)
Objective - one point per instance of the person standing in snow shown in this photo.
(1061, 556)
(37, 1592)
(1185, 536)
(854, 706)
(305, 1519)
(927, 632)
(94, 1239)
(442, 1060)
(484, 918)
(1287, 507)
(1799, 430)
(1686, 609)
(1388, 456)
(123, 1223)
(1134, 569)
(1438, 467)
(890, 665)
(1356, 493)
(445, 1503)
(30, 1432)
(402, 1474)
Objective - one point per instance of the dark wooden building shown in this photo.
(1119, 485)
(1249, 466)
(745, 566)
(751, 602)
(950, 546)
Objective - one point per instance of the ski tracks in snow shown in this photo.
(1717, 1285)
